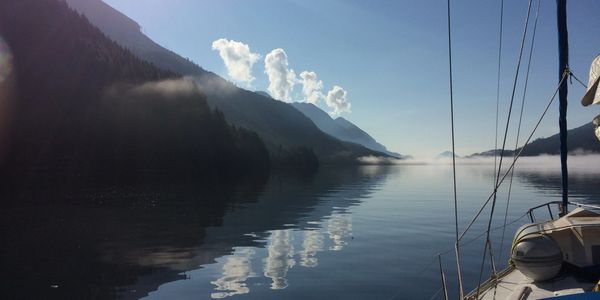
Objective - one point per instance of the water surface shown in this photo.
(367, 232)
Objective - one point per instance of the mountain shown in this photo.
(127, 33)
(286, 131)
(341, 128)
(353, 133)
(492, 152)
(446, 154)
(263, 93)
(579, 140)
(280, 125)
(85, 105)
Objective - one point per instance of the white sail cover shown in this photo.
(592, 95)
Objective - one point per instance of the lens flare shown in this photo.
(6, 93)
(6, 67)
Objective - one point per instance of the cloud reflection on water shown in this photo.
(280, 255)
(280, 258)
(236, 270)
(339, 229)
(312, 244)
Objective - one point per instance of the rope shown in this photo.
(512, 173)
(460, 288)
(492, 262)
(577, 79)
(516, 158)
(504, 140)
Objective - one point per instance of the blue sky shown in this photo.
(391, 58)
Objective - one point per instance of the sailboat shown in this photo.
(556, 258)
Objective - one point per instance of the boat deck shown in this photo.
(512, 284)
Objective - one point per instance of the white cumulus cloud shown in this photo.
(311, 87)
(336, 99)
(237, 58)
(281, 78)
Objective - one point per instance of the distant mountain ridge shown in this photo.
(491, 153)
(128, 34)
(447, 154)
(282, 127)
(341, 128)
(579, 140)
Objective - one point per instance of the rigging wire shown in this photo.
(512, 173)
(447, 251)
(444, 286)
(435, 294)
(479, 236)
(498, 97)
(504, 141)
(460, 287)
(498, 86)
(498, 180)
(501, 180)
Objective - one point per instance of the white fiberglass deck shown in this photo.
(512, 284)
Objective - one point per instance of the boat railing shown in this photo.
(548, 205)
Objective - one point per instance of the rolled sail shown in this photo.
(592, 95)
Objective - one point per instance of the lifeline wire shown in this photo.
(516, 158)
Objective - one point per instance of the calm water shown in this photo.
(351, 233)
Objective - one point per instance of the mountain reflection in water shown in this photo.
(98, 242)
(349, 232)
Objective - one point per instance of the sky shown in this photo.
(384, 64)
